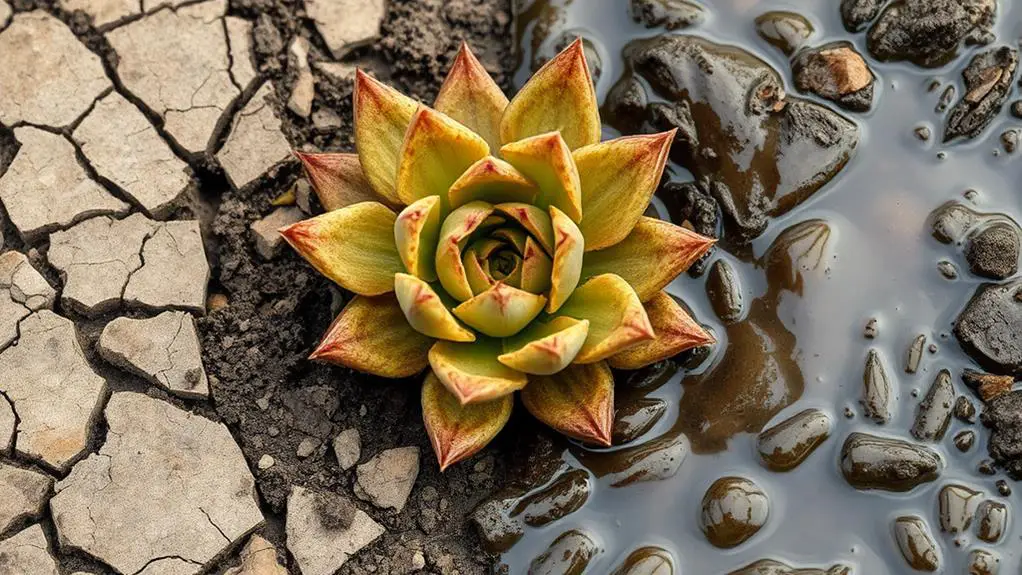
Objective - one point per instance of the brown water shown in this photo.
(800, 341)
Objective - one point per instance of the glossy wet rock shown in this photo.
(888, 464)
(983, 562)
(734, 509)
(856, 14)
(916, 543)
(786, 31)
(635, 417)
(773, 567)
(877, 395)
(647, 561)
(929, 32)
(988, 81)
(991, 521)
(671, 14)
(951, 222)
(724, 288)
(567, 494)
(992, 252)
(915, 354)
(786, 445)
(956, 507)
(1003, 416)
(987, 385)
(835, 72)
(964, 440)
(569, 554)
(652, 460)
(934, 414)
(965, 410)
(726, 102)
(990, 327)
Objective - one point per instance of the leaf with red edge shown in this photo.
(471, 370)
(617, 320)
(675, 331)
(338, 180)
(491, 180)
(426, 311)
(470, 96)
(436, 152)
(458, 431)
(567, 265)
(577, 401)
(416, 233)
(454, 232)
(382, 115)
(546, 160)
(501, 310)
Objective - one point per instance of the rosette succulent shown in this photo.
(499, 247)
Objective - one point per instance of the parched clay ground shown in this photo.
(157, 415)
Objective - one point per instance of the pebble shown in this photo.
(255, 143)
(653, 460)
(991, 521)
(346, 24)
(965, 410)
(956, 507)
(915, 354)
(934, 414)
(324, 530)
(266, 231)
(304, 89)
(569, 554)
(259, 557)
(647, 561)
(733, 510)
(993, 251)
(835, 72)
(786, 31)
(387, 479)
(987, 386)
(856, 14)
(567, 494)
(876, 394)
(983, 562)
(307, 447)
(725, 291)
(888, 464)
(786, 445)
(265, 462)
(772, 567)
(964, 440)
(634, 418)
(916, 543)
(922, 133)
(988, 327)
(1003, 488)
(347, 448)
(872, 328)
(947, 269)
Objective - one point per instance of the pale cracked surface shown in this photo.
(167, 493)
(48, 77)
(255, 143)
(27, 552)
(177, 63)
(324, 530)
(5, 14)
(7, 425)
(23, 494)
(164, 350)
(175, 274)
(23, 290)
(104, 12)
(387, 479)
(45, 188)
(55, 392)
(259, 557)
(239, 37)
(124, 148)
(346, 24)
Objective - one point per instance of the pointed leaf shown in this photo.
(567, 267)
(338, 180)
(426, 312)
(477, 272)
(382, 115)
(436, 151)
(494, 181)
(560, 97)
(514, 236)
(416, 233)
(545, 348)
(617, 320)
(456, 229)
(458, 431)
(534, 220)
(618, 179)
(471, 371)
(470, 96)
(650, 257)
(500, 311)
(371, 335)
(546, 160)
(353, 246)
(675, 330)
(537, 268)
(578, 401)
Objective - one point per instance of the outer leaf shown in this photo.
(494, 181)
(675, 330)
(618, 178)
(578, 401)
(371, 335)
(426, 312)
(567, 267)
(470, 96)
(382, 115)
(436, 151)
(458, 226)
(500, 311)
(617, 320)
(338, 180)
(536, 268)
(534, 220)
(545, 348)
(416, 232)
(353, 246)
(546, 160)
(560, 97)
(471, 371)
(650, 257)
(458, 431)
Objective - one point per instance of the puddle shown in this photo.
(859, 248)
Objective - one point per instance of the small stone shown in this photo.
(671, 14)
(988, 80)
(771, 567)
(266, 232)
(217, 302)
(123, 147)
(346, 24)
(922, 133)
(734, 509)
(563, 496)
(983, 562)
(934, 414)
(164, 350)
(1003, 415)
(1003, 488)
(307, 447)
(836, 72)
(947, 269)
(856, 14)
(725, 291)
(46, 189)
(570, 553)
(347, 448)
(48, 77)
(647, 561)
(23, 495)
(22, 291)
(915, 354)
(303, 195)
(418, 561)
(113, 506)
(786, 445)
(916, 543)
(992, 252)
(386, 480)
(273, 431)
(872, 329)
(786, 31)
(1016, 108)
(326, 119)
(265, 462)
(964, 440)
(1010, 140)
(633, 418)
(875, 462)
(986, 385)
(259, 557)
(991, 521)
(337, 72)
(239, 37)
(951, 221)
(324, 530)
(957, 505)
(989, 327)
(927, 32)
(255, 143)
(304, 89)
(965, 410)
(877, 395)
(653, 460)
(986, 467)
(28, 552)
(263, 403)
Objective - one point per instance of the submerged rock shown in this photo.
(956, 505)
(992, 521)
(934, 415)
(928, 33)
(569, 554)
(874, 462)
(990, 327)
(653, 460)
(671, 14)
(964, 440)
(1003, 416)
(856, 14)
(734, 509)
(772, 567)
(952, 221)
(636, 417)
(786, 31)
(983, 562)
(988, 79)
(647, 561)
(786, 445)
(567, 494)
(835, 72)
(987, 386)
(724, 288)
(876, 389)
(992, 252)
(916, 543)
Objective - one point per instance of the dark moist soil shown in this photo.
(255, 348)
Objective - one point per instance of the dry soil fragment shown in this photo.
(304, 89)
(114, 505)
(239, 37)
(255, 143)
(347, 448)
(23, 494)
(28, 552)
(124, 148)
(387, 479)
(164, 350)
(324, 530)
(266, 232)
(177, 63)
(175, 274)
(7, 426)
(346, 24)
(5, 13)
(45, 189)
(22, 291)
(48, 77)
(259, 557)
(338, 72)
(55, 393)
(104, 12)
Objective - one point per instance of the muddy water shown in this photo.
(799, 342)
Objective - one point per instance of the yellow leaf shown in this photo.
(578, 401)
(534, 220)
(426, 312)
(471, 371)
(546, 160)
(494, 181)
(500, 311)
(454, 232)
(416, 233)
(471, 97)
(382, 115)
(545, 348)
(458, 431)
(675, 331)
(617, 320)
(567, 266)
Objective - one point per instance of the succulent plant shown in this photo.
(503, 246)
